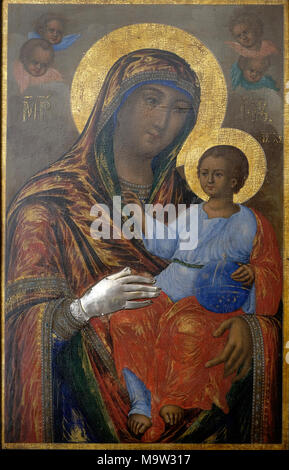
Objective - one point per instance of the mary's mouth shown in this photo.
(154, 134)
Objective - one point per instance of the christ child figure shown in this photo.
(164, 352)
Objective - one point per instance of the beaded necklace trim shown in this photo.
(141, 190)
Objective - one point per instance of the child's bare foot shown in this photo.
(138, 424)
(172, 414)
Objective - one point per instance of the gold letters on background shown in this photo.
(35, 108)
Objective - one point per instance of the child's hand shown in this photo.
(245, 274)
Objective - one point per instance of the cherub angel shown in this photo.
(51, 26)
(34, 65)
(247, 30)
(250, 73)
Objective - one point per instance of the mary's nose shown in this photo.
(161, 117)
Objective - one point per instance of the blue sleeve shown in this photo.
(239, 236)
(139, 395)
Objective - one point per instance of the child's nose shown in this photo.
(211, 177)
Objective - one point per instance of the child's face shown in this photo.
(254, 71)
(53, 32)
(216, 177)
(244, 35)
(39, 62)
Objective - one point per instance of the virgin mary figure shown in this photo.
(61, 380)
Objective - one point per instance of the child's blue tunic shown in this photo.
(217, 239)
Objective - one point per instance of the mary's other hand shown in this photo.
(238, 351)
(119, 291)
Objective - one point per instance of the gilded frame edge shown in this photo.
(284, 445)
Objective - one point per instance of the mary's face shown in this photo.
(151, 118)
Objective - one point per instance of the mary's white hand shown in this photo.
(118, 291)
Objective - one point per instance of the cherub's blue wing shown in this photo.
(66, 42)
(33, 35)
(236, 75)
(268, 82)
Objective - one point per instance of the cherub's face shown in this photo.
(216, 177)
(244, 35)
(39, 62)
(53, 32)
(254, 71)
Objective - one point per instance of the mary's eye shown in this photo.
(151, 100)
(182, 109)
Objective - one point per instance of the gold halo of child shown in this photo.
(242, 141)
